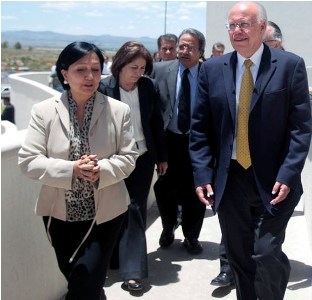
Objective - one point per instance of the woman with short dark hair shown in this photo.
(80, 147)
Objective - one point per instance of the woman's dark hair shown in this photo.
(127, 53)
(73, 52)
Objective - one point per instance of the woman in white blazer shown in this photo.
(81, 148)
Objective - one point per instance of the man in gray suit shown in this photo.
(177, 185)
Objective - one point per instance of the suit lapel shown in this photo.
(172, 81)
(98, 107)
(112, 89)
(229, 75)
(266, 70)
(143, 101)
(62, 109)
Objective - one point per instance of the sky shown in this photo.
(120, 18)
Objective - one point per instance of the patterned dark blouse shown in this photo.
(80, 204)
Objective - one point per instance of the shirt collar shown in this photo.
(255, 58)
(193, 70)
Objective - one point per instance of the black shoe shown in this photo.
(133, 285)
(223, 279)
(166, 238)
(193, 246)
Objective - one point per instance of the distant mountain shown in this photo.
(50, 39)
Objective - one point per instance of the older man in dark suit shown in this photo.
(247, 160)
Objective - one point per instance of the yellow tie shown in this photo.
(247, 86)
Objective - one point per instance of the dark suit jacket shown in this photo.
(8, 114)
(152, 123)
(279, 125)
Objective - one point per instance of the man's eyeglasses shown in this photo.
(189, 48)
(242, 26)
(167, 49)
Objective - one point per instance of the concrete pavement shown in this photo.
(175, 274)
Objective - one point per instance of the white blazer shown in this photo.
(44, 155)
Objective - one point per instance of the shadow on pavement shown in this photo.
(221, 292)
(300, 276)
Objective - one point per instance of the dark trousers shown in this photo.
(224, 262)
(253, 239)
(86, 274)
(131, 250)
(177, 187)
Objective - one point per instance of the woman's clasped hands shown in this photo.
(87, 168)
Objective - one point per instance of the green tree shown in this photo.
(18, 46)
(4, 45)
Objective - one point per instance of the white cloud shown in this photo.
(60, 5)
(196, 5)
(94, 14)
(129, 26)
(185, 18)
(8, 18)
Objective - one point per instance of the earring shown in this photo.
(65, 82)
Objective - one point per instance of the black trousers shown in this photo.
(224, 262)
(177, 187)
(253, 239)
(130, 252)
(86, 274)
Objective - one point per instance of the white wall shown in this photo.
(307, 192)
(26, 90)
(29, 269)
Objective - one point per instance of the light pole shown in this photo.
(165, 17)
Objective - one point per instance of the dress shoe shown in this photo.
(166, 238)
(193, 246)
(223, 279)
(133, 285)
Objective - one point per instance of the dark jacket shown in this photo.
(279, 125)
(152, 123)
(8, 114)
